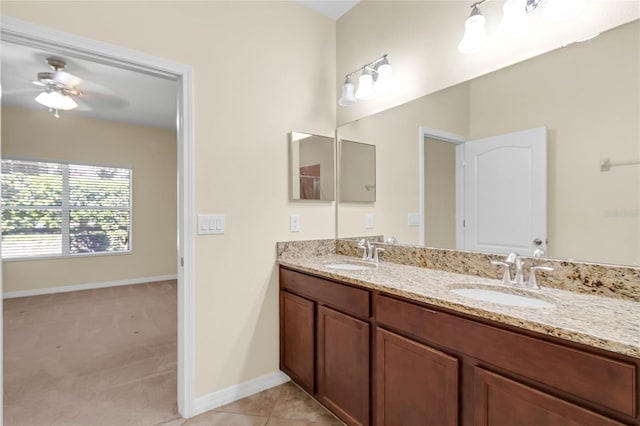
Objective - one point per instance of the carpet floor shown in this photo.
(107, 357)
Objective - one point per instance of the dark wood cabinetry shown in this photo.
(297, 331)
(325, 342)
(374, 358)
(343, 365)
(499, 401)
(416, 384)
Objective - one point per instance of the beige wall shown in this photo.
(439, 194)
(151, 153)
(395, 134)
(261, 69)
(421, 38)
(587, 96)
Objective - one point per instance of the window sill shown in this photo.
(66, 256)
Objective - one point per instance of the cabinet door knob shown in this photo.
(537, 242)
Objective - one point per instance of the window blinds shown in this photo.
(55, 209)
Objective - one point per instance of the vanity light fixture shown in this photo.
(348, 97)
(475, 36)
(365, 86)
(515, 19)
(375, 77)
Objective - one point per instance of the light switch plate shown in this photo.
(413, 219)
(211, 224)
(294, 223)
(368, 221)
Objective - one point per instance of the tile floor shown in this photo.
(107, 357)
(284, 405)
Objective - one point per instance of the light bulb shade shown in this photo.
(348, 98)
(559, 10)
(475, 36)
(515, 20)
(365, 86)
(384, 80)
(56, 100)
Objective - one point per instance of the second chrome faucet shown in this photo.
(514, 259)
(370, 251)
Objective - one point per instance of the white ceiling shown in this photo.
(334, 9)
(109, 93)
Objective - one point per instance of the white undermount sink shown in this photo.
(349, 266)
(499, 297)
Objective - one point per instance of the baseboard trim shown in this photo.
(90, 286)
(242, 390)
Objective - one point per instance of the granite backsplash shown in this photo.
(587, 278)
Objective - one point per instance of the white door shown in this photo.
(505, 187)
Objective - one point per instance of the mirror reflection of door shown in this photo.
(506, 192)
(310, 182)
(487, 195)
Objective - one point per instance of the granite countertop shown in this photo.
(602, 322)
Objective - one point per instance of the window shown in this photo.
(55, 209)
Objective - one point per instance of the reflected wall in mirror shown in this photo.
(311, 173)
(587, 97)
(357, 172)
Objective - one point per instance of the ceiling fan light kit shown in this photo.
(59, 88)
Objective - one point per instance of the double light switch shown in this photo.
(210, 224)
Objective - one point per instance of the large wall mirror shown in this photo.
(357, 172)
(311, 171)
(583, 99)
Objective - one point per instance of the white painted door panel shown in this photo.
(505, 183)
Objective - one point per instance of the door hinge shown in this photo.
(182, 262)
(464, 223)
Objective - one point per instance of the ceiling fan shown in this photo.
(60, 87)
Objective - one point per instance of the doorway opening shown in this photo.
(33, 36)
(444, 227)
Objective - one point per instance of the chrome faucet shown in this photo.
(366, 246)
(519, 278)
(370, 252)
(515, 260)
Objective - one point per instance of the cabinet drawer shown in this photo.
(498, 401)
(347, 299)
(606, 382)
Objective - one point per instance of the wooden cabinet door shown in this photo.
(499, 401)
(297, 337)
(343, 365)
(416, 384)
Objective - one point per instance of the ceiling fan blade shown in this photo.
(33, 90)
(96, 100)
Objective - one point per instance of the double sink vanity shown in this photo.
(398, 344)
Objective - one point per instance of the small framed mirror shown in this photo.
(311, 173)
(357, 172)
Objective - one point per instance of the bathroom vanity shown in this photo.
(393, 345)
